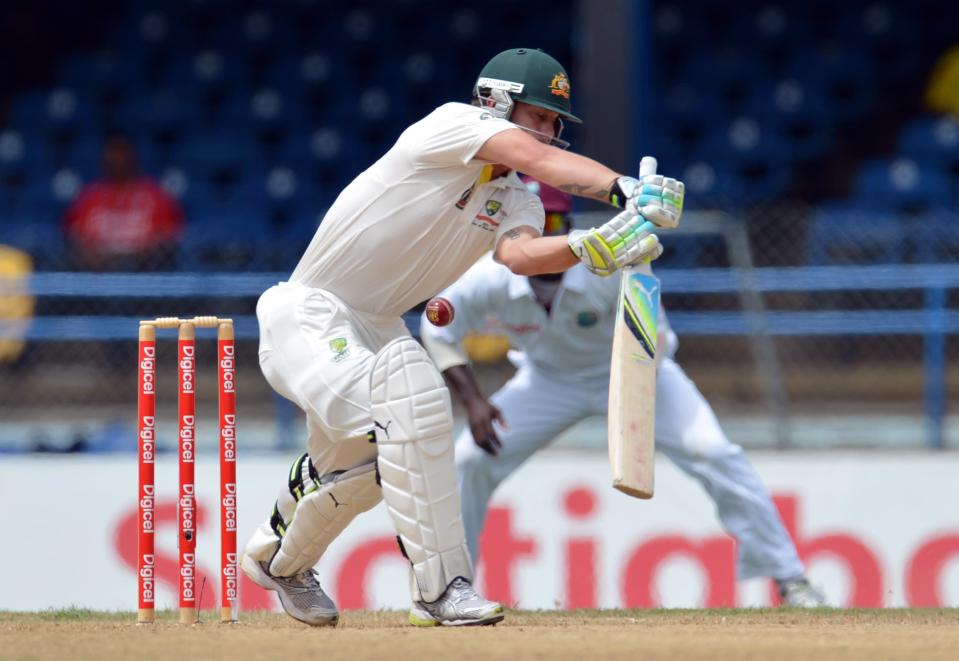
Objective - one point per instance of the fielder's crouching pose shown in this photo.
(332, 339)
(563, 326)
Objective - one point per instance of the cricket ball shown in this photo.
(439, 311)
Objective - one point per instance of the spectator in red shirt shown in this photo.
(124, 221)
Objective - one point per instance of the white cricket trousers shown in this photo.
(538, 406)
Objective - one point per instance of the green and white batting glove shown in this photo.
(657, 198)
(623, 240)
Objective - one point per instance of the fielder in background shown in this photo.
(333, 341)
(562, 325)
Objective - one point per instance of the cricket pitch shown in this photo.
(634, 634)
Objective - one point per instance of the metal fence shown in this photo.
(796, 344)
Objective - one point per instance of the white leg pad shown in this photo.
(322, 508)
(414, 438)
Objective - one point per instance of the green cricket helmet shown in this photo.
(528, 75)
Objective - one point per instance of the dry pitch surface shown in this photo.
(719, 634)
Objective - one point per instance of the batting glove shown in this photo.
(623, 240)
(657, 198)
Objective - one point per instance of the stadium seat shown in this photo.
(226, 233)
(902, 185)
(752, 153)
(62, 110)
(213, 155)
(799, 116)
(161, 110)
(711, 187)
(844, 78)
(847, 234)
(102, 72)
(24, 157)
(932, 140)
(205, 70)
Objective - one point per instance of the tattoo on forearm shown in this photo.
(511, 234)
(599, 193)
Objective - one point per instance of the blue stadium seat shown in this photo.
(754, 154)
(208, 154)
(205, 70)
(42, 241)
(84, 155)
(902, 185)
(932, 140)
(889, 32)
(105, 70)
(328, 149)
(163, 109)
(710, 187)
(264, 109)
(731, 73)
(797, 113)
(844, 77)
(226, 233)
(57, 109)
(846, 234)
(24, 157)
(772, 27)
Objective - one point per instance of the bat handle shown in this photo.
(647, 165)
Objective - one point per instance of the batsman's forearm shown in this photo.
(526, 255)
(461, 380)
(575, 174)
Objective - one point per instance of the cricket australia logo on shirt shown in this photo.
(339, 347)
(485, 221)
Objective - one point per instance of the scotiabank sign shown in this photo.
(874, 530)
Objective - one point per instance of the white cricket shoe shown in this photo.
(798, 593)
(460, 605)
(301, 595)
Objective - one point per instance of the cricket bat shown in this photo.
(632, 377)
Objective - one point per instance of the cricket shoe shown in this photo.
(459, 606)
(301, 595)
(798, 593)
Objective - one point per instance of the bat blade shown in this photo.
(632, 379)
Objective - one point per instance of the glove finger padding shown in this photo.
(623, 240)
(623, 232)
(658, 198)
(647, 250)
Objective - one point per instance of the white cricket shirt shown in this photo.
(419, 217)
(576, 336)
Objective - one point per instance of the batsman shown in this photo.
(332, 339)
(561, 328)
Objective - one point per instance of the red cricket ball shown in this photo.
(439, 311)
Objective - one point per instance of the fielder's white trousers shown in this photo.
(537, 407)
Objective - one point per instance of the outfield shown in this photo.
(638, 634)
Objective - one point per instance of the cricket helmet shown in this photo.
(528, 75)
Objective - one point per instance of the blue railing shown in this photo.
(933, 322)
